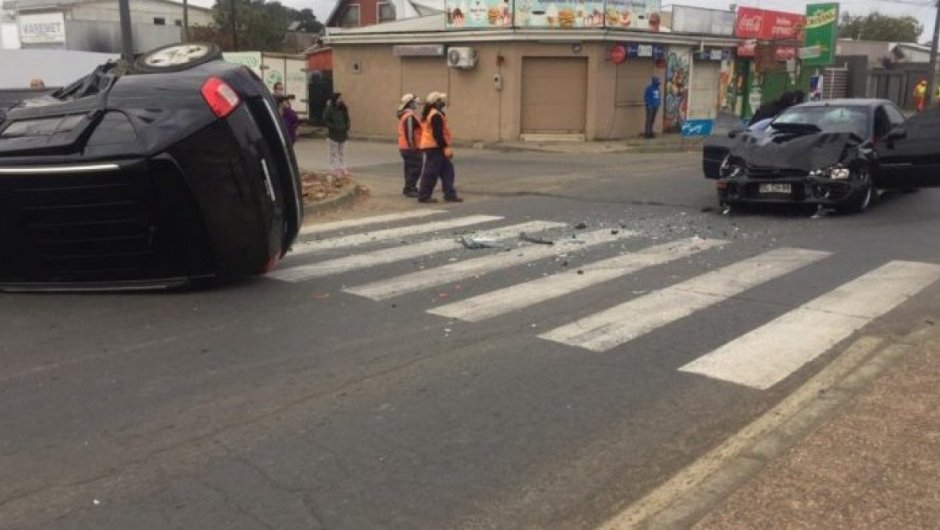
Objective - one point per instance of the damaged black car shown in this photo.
(157, 172)
(834, 154)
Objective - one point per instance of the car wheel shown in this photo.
(863, 200)
(177, 57)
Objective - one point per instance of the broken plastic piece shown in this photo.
(533, 239)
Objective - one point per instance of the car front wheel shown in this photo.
(864, 198)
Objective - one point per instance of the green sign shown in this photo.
(822, 24)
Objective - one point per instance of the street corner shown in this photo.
(325, 192)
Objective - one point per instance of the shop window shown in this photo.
(386, 12)
(350, 18)
(178, 23)
(159, 21)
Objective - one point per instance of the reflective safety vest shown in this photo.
(403, 130)
(427, 132)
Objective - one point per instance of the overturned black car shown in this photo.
(155, 173)
(835, 154)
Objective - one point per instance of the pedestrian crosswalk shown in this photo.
(481, 245)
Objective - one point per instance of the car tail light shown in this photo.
(220, 97)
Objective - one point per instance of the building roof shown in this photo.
(32, 5)
(406, 25)
(433, 28)
(405, 9)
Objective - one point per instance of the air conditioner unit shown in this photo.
(465, 58)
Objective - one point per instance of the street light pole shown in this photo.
(234, 27)
(932, 69)
(127, 36)
(185, 20)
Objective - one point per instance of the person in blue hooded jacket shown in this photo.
(653, 98)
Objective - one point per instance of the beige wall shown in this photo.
(479, 112)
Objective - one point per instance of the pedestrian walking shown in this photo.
(653, 99)
(409, 135)
(289, 116)
(438, 151)
(336, 119)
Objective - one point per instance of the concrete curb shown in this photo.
(343, 200)
(691, 494)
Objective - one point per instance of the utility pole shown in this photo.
(185, 20)
(932, 69)
(127, 36)
(235, 27)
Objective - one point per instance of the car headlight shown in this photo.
(839, 173)
(817, 172)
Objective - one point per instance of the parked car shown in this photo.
(828, 153)
(154, 173)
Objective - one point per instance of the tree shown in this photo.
(878, 27)
(308, 21)
(260, 24)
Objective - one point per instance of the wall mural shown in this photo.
(676, 89)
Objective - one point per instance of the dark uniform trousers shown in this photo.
(436, 165)
(413, 161)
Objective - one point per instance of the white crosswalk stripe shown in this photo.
(530, 293)
(319, 228)
(355, 240)
(425, 279)
(627, 321)
(392, 255)
(767, 355)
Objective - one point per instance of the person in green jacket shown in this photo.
(336, 119)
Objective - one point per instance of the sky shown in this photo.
(921, 9)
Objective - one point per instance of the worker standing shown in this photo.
(409, 136)
(920, 95)
(652, 99)
(438, 151)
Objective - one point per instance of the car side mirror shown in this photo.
(898, 133)
(733, 133)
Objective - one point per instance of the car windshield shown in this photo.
(828, 119)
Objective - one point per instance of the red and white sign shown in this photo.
(618, 54)
(785, 53)
(762, 24)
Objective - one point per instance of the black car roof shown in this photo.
(847, 102)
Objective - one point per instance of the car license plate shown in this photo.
(774, 188)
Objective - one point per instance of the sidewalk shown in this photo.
(876, 464)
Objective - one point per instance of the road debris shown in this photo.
(580, 226)
(535, 239)
(477, 243)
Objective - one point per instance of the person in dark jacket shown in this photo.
(336, 119)
(409, 136)
(774, 108)
(653, 99)
(438, 151)
(291, 120)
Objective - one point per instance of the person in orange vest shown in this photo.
(920, 95)
(438, 151)
(409, 135)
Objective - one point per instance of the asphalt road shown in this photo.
(330, 397)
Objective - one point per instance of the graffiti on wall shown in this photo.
(676, 89)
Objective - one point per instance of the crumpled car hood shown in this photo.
(786, 151)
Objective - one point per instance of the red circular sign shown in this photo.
(618, 54)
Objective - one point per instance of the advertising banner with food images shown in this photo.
(563, 14)
(640, 15)
(478, 14)
(625, 14)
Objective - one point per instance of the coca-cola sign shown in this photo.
(762, 24)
